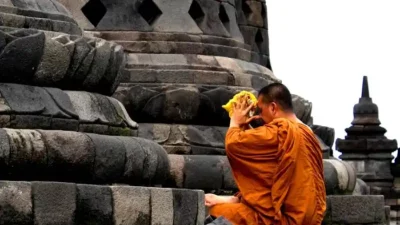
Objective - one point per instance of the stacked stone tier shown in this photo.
(60, 60)
(23, 203)
(53, 202)
(186, 103)
(30, 107)
(42, 15)
(173, 43)
(195, 69)
(99, 159)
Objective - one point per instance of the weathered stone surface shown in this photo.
(15, 203)
(65, 61)
(79, 157)
(167, 37)
(340, 177)
(257, 38)
(175, 17)
(210, 177)
(367, 209)
(27, 153)
(253, 12)
(198, 69)
(37, 5)
(29, 43)
(131, 205)
(193, 104)
(213, 173)
(327, 134)
(94, 205)
(40, 19)
(109, 160)
(75, 8)
(5, 149)
(210, 23)
(201, 208)
(67, 203)
(156, 164)
(31, 107)
(361, 188)
(185, 207)
(190, 139)
(135, 161)
(54, 203)
(325, 148)
(176, 173)
(69, 153)
(162, 206)
(230, 22)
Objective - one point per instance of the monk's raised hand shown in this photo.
(240, 114)
(253, 118)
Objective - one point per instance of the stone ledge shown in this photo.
(173, 47)
(33, 12)
(167, 37)
(89, 158)
(187, 103)
(367, 209)
(30, 107)
(45, 24)
(78, 157)
(192, 139)
(24, 203)
(195, 69)
(213, 173)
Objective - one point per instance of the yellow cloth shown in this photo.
(251, 99)
(278, 169)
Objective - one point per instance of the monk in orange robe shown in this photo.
(278, 167)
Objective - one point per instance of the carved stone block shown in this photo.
(187, 104)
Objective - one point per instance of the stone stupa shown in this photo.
(71, 154)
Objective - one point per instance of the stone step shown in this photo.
(187, 103)
(31, 107)
(196, 69)
(42, 203)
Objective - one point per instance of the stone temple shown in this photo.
(110, 113)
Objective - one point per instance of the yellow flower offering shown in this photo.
(248, 96)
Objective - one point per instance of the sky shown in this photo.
(322, 49)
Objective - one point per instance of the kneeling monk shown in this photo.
(278, 167)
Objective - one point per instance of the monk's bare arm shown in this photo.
(251, 140)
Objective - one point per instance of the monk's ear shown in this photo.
(274, 107)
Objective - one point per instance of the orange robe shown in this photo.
(278, 169)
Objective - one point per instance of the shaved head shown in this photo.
(278, 93)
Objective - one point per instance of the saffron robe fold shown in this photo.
(278, 169)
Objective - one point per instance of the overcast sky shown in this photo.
(321, 50)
